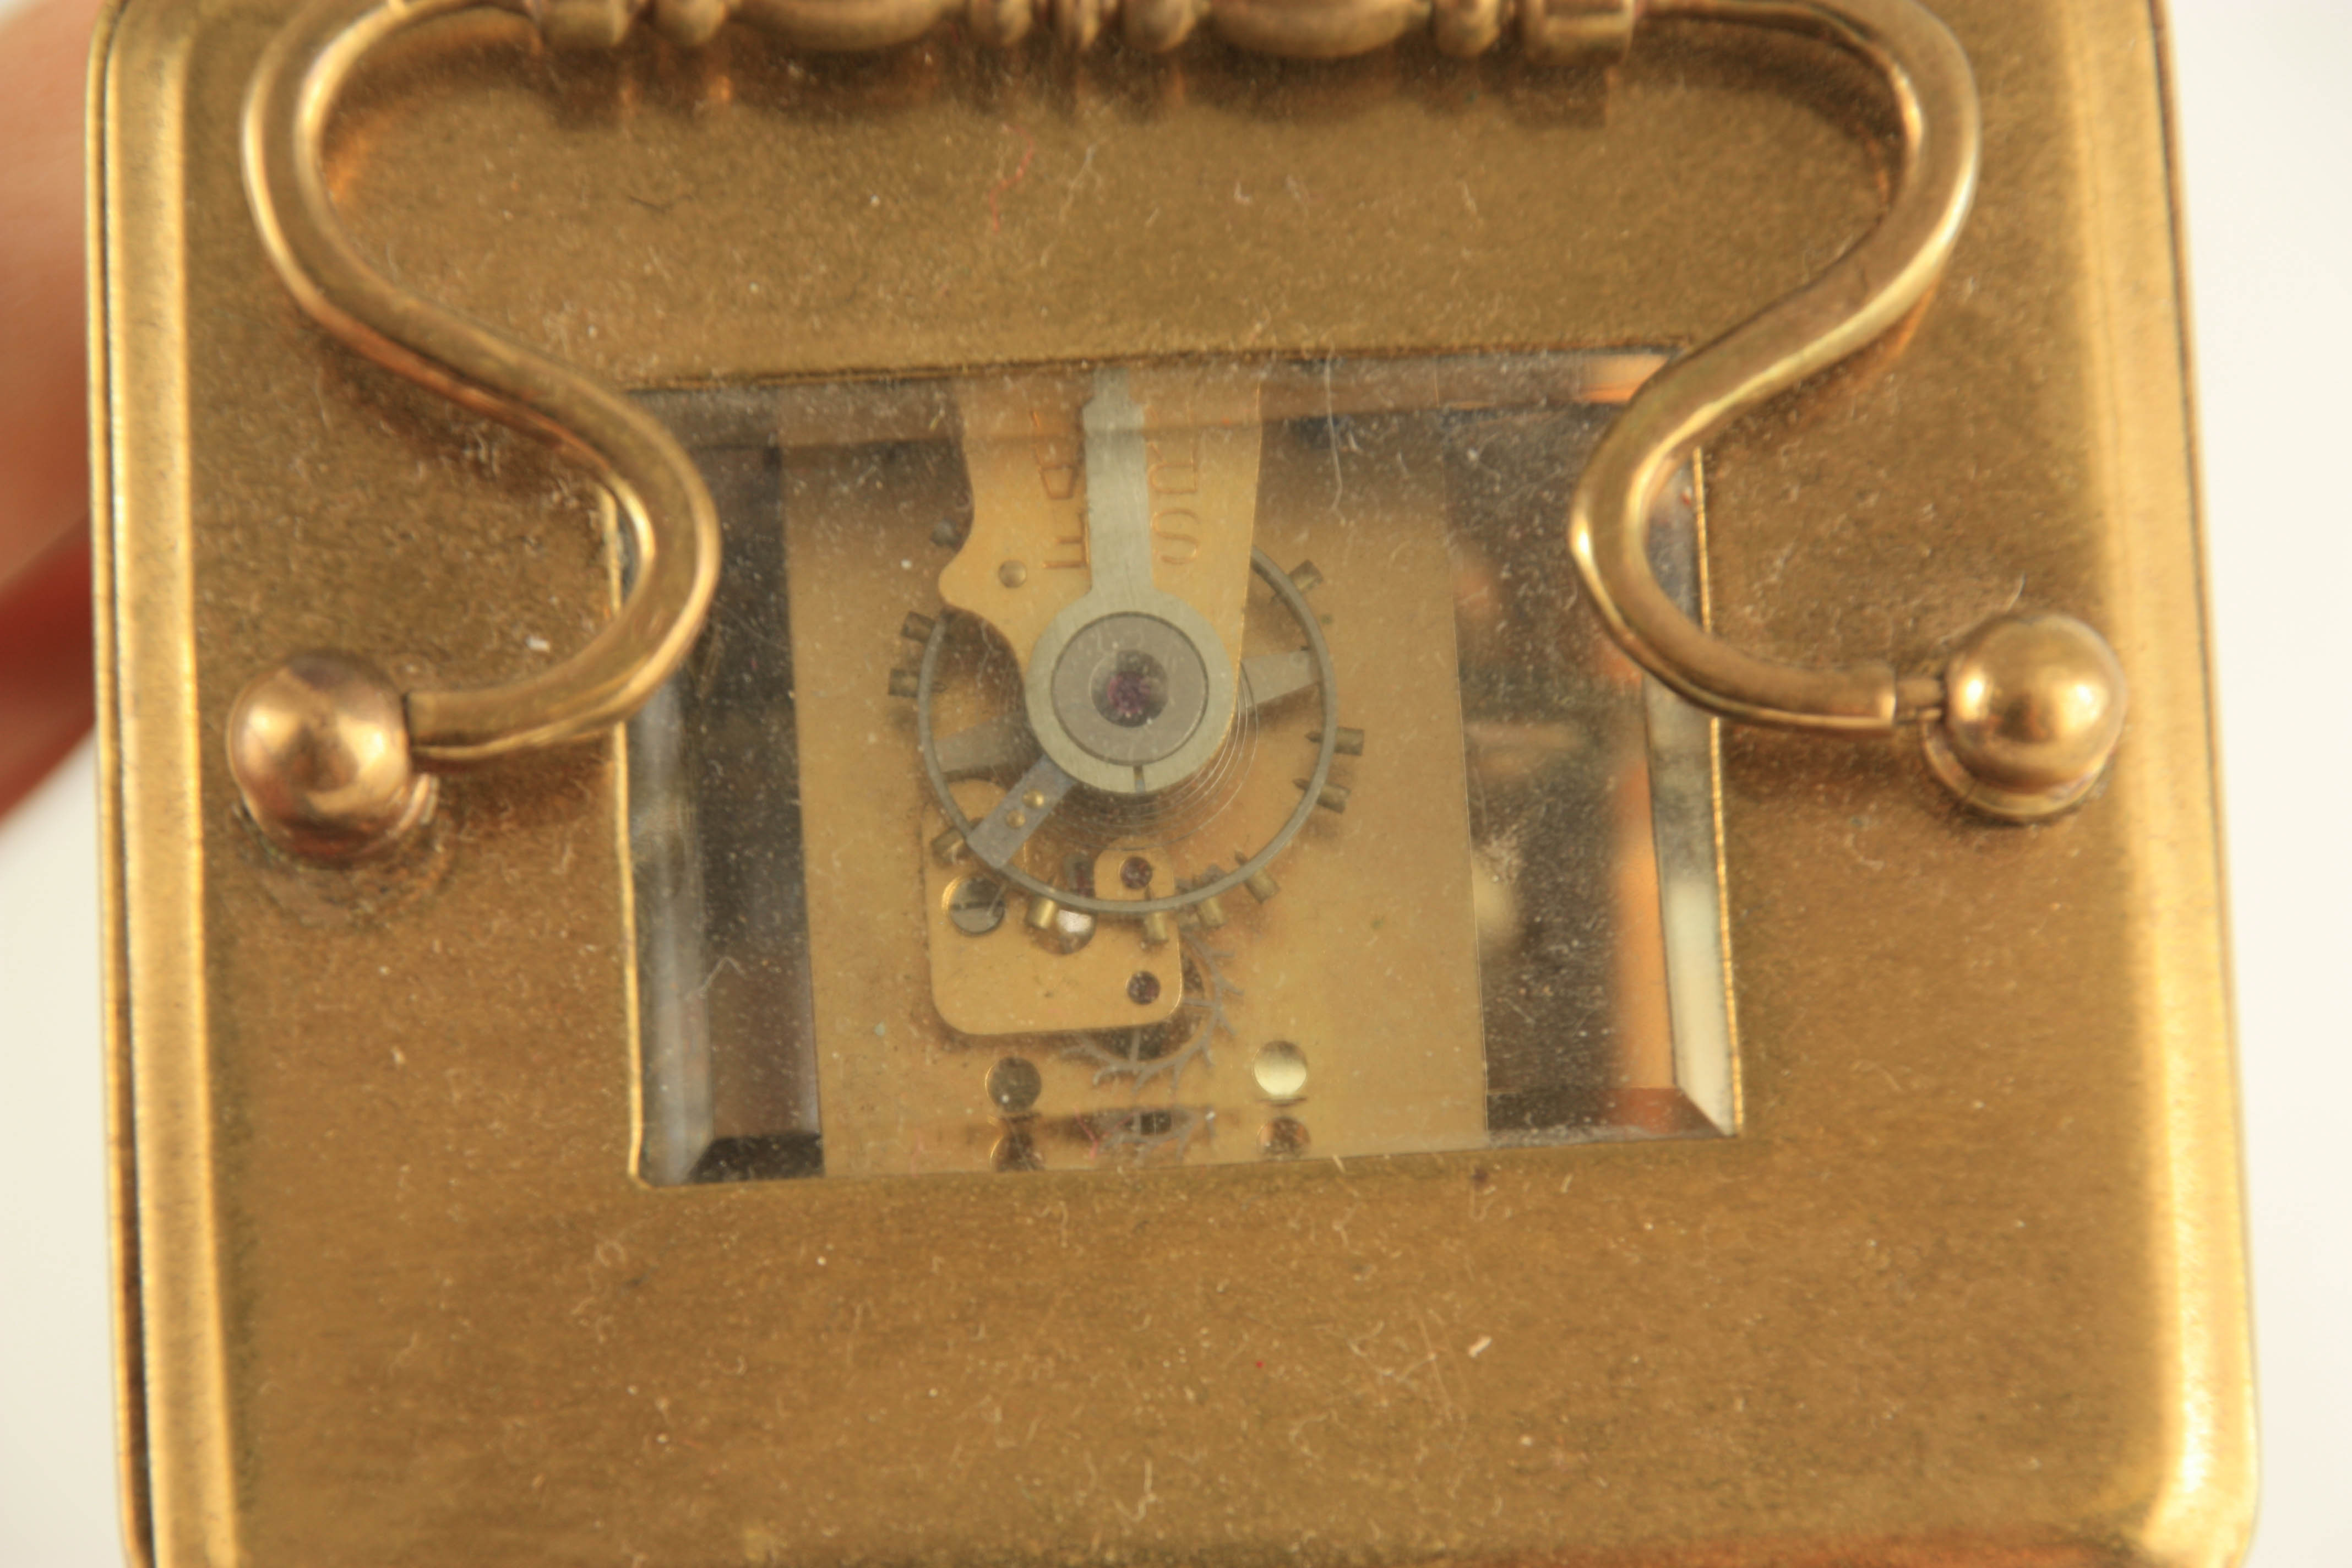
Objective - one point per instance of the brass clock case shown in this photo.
(1957, 1277)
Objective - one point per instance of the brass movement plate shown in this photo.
(1966, 1286)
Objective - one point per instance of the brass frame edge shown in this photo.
(173, 1374)
(134, 1501)
(2197, 1520)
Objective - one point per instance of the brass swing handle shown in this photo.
(334, 762)
(2022, 721)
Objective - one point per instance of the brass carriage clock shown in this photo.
(1201, 781)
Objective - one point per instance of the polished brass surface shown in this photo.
(2034, 706)
(319, 747)
(1968, 1287)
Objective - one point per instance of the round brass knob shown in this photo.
(319, 747)
(2032, 708)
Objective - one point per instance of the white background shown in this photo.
(2265, 100)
